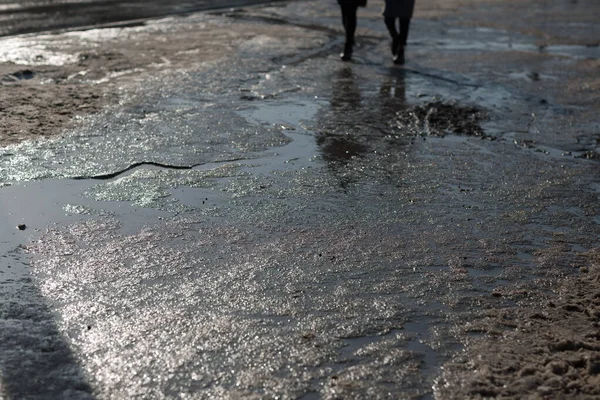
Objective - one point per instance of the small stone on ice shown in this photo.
(21, 227)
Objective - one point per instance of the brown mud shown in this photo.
(39, 100)
(36, 103)
(43, 94)
(547, 352)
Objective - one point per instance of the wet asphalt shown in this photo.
(40, 15)
(288, 226)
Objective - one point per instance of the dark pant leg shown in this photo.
(390, 22)
(349, 20)
(404, 25)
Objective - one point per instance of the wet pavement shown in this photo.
(42, 15)
(281, 224)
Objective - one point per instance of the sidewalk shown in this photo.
(237, 213)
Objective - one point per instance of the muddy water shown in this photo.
(290, 226)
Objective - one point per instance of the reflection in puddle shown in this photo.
(356, 123)
(341, 145)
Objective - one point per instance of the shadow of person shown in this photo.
(36, 361)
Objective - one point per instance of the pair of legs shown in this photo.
(399, 36)
(349, 20)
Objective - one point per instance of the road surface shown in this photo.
(40, 15)
(233, 212)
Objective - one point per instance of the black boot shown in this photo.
(395, 44)
(347, 54)
(399, 56)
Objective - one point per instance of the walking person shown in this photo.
(349, 8)
(398, 12)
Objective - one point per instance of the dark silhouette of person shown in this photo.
(400, 11)
(349, 8)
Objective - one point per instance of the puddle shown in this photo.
(531, 76)
(591, 52)
(25, 74)
(37, 205)
(420, 343)
(292, 119)
(441, 119)
(200, 199)
(47, 204)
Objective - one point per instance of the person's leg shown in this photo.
(349, 21)
(390, 22)
(401, 41)
(349, 12)
(343, 10)
(404, 25)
